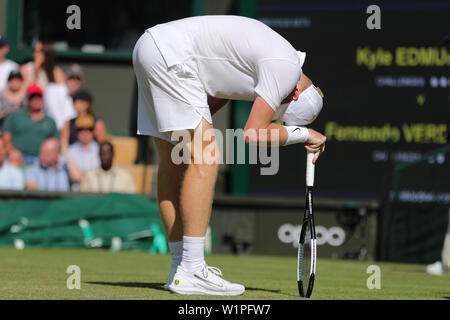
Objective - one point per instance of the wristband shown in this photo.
(296, 135)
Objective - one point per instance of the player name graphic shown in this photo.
(402, 57)
(426, 133)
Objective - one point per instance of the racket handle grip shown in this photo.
(310, 169)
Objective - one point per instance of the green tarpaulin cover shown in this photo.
(77, 222)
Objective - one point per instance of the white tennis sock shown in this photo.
(193, 253)
(176, 251)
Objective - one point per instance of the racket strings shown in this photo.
(305, 254)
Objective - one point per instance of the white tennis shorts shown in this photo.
(169, 99)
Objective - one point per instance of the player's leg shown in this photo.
(446, 253)
(185, 195)
(446, 249)
(170, 177)
(193, 276)
(196, 195)
(198, 184)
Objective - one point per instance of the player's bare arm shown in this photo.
(261, 117)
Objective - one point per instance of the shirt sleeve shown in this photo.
(19, 183)
(51, 101)
(72, 154)
(277, 78)
(31, 174)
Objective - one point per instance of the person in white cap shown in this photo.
(187, 70)
(58, 97)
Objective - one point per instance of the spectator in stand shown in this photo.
(58, 98)
(11, 178)
(75, 79)
(85, 152)
(25, 130)
(6, 66)
(50, 173)
(108, 178)
(13, 97)
(42, 69)
(82, 102)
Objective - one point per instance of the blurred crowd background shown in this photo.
(51, 139)
(68, 98)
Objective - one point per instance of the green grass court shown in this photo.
(36, 273)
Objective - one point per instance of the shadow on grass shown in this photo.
(151, 285)
(160, 286)
(261, 289)
(271, 291)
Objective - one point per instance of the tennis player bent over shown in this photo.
(187, 70)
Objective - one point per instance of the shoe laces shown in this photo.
(213, 270)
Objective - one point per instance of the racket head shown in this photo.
(306, 259)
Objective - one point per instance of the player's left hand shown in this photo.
(315, 144)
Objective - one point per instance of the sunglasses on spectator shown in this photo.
(81, 129)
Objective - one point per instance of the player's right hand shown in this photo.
(315, 143)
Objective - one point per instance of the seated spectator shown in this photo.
(107, 178)
(42, 70)
(13, 97)
(11, 178)
(50, 173)
(6, 66)
(26, 129)
(58, 98)
(85, 152)
(82, 103)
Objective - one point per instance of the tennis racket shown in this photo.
(306, 266)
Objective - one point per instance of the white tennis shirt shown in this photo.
(237, 57)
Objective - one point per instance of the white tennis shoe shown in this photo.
(206, 281)
(437, 269)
